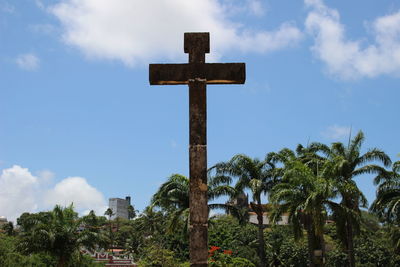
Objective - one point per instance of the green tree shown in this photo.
(387, 202)
(131, 212)
(151, 223)
(283, 249)
(306, 196)
(29, 220)
(227, 233)
(349, 163)
(257, 176)
(109, 212)
(371, 246)
(173, 197)
(10, 256)
(157, 256)
(8, 228)
(95, 224)
(57, 233)
(221, 259)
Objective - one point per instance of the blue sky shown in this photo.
(79, 121)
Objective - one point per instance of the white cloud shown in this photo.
(76, 190)
(350, 59)
(336, 132)
(18, 192)
(239, 7)
(21, 191)
(45, 175)
(28, 62)
(135, 31)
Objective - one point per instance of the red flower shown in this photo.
(213, 248)
(228, 252)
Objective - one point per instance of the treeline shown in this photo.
(312, 184)
(330, 221)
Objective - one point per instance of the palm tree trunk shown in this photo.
(350, 245)
(349, 233)
(61, 262)
(322, 242)
(111, 239)
(261, 243)
(319, 245)
(310, 241)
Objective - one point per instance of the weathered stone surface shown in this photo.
(197, 113)
(196, 42)
(197, 74)
(198, 185)
(198, 232)
(214, 73)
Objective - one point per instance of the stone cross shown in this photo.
(197, 74)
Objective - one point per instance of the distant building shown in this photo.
(283, 221)
(107, 260)
(3, 220)
(119, 206)
(242, 202)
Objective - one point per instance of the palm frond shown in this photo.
(356, 143)
(374, 155)
(396, 166)
(368, 169)
(320, 147)
(338, 148)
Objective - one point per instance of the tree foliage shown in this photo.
(314, 185)
(56, 233)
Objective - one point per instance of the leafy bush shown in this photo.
(282, 249)
(156, 256)
(224, 258)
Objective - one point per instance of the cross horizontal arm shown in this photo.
(214, 73)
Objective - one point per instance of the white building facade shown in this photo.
(283, 221)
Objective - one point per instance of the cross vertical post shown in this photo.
(197, 74)
(197, 45)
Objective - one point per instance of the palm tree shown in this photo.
(173, 193)
(387, 203)
(131, 212)
(306, 196)
(151, 220)
(95, 224)
(109, 212)
(256, 175)
(349, 163)
(173, 197)
(58, 234)
(307, 155)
